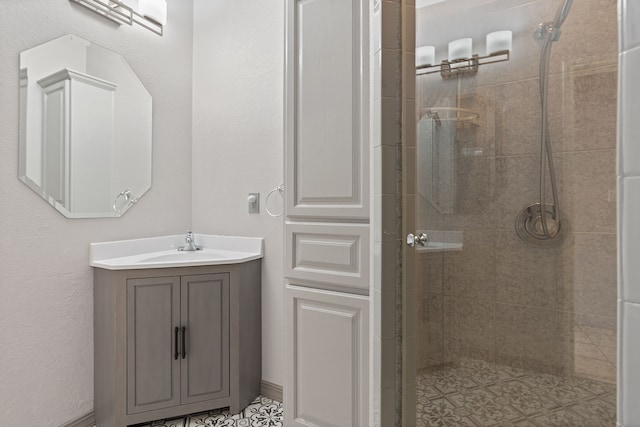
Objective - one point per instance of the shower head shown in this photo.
(435, 117)
(539, 223)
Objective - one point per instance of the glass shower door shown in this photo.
(506, 332)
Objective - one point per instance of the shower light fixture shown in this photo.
(499, 41)
(460, 49)
(425, 55)
(460, 59)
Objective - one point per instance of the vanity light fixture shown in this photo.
(460, 60)
(151, 14)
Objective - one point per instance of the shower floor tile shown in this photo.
(482, 394)
(262, 412)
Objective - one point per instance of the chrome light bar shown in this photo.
(120, 13)
(463, 66)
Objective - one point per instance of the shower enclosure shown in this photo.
(506, 330)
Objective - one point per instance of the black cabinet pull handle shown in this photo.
(184, 342)
(176, 353)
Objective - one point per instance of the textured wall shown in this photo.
(500, 299)
(237, 139)
(46, 363)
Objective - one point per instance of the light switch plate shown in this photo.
(253, 201)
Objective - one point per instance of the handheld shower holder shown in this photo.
(547, 29)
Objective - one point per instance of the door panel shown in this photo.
(329, 253)
(205, 316)
(327, 110)
(327, 348)
(152, 314)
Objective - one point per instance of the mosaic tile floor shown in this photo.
(262, 412)
(481, 394)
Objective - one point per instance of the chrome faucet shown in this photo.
(190, 243)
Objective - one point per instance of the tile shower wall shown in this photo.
(498, 299)
(385, 167)
(629, 206)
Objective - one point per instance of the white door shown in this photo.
(327, 230)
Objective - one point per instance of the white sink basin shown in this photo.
(162, 252)
(204, 254)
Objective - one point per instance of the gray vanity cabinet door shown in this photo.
(205, 316)
(153, 313)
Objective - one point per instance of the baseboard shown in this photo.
(88, 420)
(271, 390)
(267, 389)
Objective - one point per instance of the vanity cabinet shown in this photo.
(178, 340)
(174, 341)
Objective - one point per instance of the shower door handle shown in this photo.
(420, 239)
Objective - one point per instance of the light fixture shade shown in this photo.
(460, 49)
(499, 41)
(133, 4)
(154, 9)
(425, 55)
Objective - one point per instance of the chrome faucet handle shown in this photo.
(190, 243)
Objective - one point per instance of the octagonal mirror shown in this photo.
(85, 128)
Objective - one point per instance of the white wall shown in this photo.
(46, 308)
(237, 139)
(629, 206)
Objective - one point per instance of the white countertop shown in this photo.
(162, 252)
